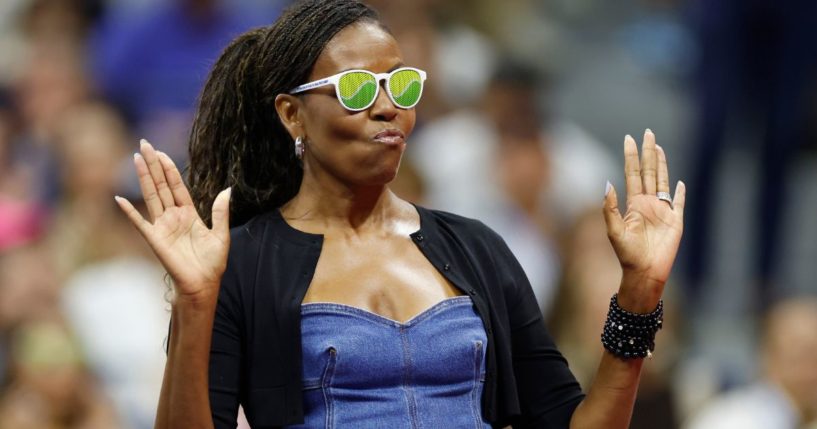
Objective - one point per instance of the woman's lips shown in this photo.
(390, 137)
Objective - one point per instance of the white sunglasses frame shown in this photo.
(379, 77)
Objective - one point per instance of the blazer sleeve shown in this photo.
(547, 390)
(226, 372)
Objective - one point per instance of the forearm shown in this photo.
(164, 395)
(184, 399)
(610, 399)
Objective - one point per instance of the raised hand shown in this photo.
(646, 238)
(194, 255)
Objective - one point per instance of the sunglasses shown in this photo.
(357, 89)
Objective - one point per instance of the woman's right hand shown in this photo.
(194, 255)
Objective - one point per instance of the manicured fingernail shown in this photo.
(607, 188)
(136, 156)
(143, 142)
(649, 131)
(117, 197)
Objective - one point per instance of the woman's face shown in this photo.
(358, 148)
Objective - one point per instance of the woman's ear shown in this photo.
(289, 111)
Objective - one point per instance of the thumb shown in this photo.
(612, 217)
(679, 200)
(221, 213)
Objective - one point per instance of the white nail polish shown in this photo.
(607, 188)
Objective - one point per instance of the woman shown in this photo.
(334, 303)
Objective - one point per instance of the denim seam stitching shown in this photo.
(326, 384)
(407, 372)
(477, 370)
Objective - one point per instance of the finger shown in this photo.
(135, 217)
(632, 168)
(174, 181)
(221, 214)
(151, 197)
(649, 163)
(663, 170)
(679, 200)
(157, 172)
(612, 216)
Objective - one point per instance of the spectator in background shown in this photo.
(50, 131)
(112, 293)
(491, 163)
(91, 134)
(116, 309)
(21, 218)
(27, 290)
(53, 82)
(758, 60)
(152, 65)
(496, 162)
(785, 396)
(28, 286)
(59, 22)
(50, 388)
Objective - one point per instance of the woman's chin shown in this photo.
(382, 177)
(384, 166)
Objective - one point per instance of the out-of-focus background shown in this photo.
(522, 123)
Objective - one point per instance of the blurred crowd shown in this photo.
(521, 125)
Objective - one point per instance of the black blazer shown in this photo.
(255, 357)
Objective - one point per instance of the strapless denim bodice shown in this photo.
(362, 370)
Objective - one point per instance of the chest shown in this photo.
(388, 276)
(360, 367)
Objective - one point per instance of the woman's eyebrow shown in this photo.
(393, 68)
(396, 66)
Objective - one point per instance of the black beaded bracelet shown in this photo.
(631, 335)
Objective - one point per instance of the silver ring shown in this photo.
(665, 196)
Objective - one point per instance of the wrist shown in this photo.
(638, 293)
(202, 300)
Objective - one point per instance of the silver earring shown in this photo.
(299, 147)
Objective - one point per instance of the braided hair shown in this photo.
(237, 138)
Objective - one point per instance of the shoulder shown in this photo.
(249, 240)
(470, 233)
(269, 237)
(247, 237)
(251, 230)
(465, 226)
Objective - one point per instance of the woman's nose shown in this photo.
(383, 109)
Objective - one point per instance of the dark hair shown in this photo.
(237, 138)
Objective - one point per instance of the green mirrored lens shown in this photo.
(357, 90)
(406, 86)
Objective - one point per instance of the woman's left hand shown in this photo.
(646, 239)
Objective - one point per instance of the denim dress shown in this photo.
(363, 370)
